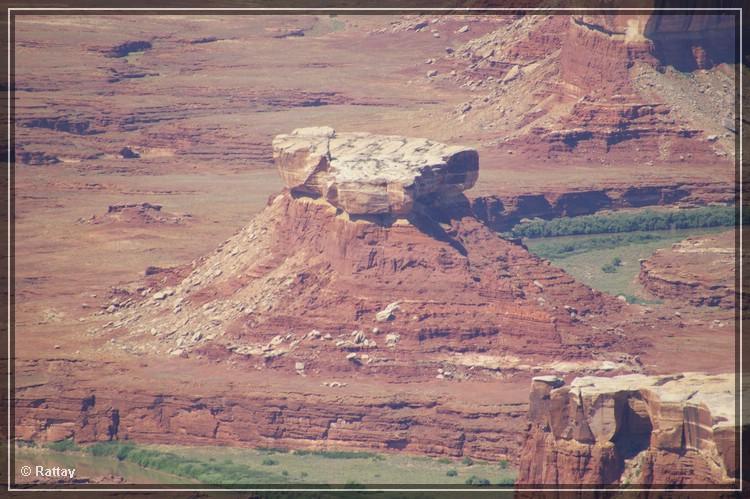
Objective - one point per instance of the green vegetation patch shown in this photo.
(611, 267)
(610, 262)
(66, 445)
(475, 480)
(338, 454)
(233, 466)
(209, 472)
(554, 250)
(646, 220)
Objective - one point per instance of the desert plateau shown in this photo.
(429, 250)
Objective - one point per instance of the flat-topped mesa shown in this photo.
(367, 174)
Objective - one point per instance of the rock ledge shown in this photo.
(367, 174)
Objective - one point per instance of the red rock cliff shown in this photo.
(633, 429)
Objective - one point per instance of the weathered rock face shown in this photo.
(632, 429)
(302, 266)
(685, 41)
(502, 212)
(366, 174)
(305, 416)
(307, 296)
(698, 270)
(606, 88)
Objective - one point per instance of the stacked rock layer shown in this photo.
(367, 174)
(634, 429)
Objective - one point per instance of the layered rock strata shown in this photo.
(698, 270)
(503, 211)
(634, 429)
(263, 412)
(318, 310)
(309, 283)
(605, 89)
(366, 174)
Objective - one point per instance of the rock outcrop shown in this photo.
(266, 411)
(309, 294)
(366, 174)
(699, 271)
(685, 41)
(606, 89)
(634, 429)
(136, 214)
(502, 212)
(439, 278)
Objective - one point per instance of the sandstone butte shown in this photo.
(665, 431)
(367, 174)
(309, 295)
(394, 281)
(371, 224)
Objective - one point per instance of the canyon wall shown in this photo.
(502, 212)
(661, 431)
(346, 416)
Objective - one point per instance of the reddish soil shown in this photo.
(200, 114)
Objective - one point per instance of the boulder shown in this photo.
(367, 174)
(388, 313)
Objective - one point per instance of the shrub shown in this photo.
(467, 461)
(451, 472)
(609, 268)
(475, 480)
(204, 471)
(709, 216)
(506, 481)
(123, 451)
(503, 464)
(339, 454)
(554, 250)
(285, 473)
(66, 445)
(640, 301)
(269, 462)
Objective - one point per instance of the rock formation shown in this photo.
(685, 41)
(136, 214)
(699, 271)
(272, 411)
(304, 265)
(366, 174)
(607, 88)
(308, 291)
(631, 430)
(502, 212)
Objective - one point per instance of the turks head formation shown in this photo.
(371, 261)
(367, 174)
